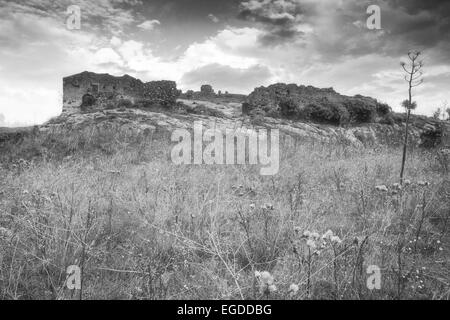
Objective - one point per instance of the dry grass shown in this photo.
(143, 228)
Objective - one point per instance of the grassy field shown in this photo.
(140, 227)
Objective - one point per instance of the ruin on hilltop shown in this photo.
(107, 89)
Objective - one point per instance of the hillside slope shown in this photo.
(423, 131)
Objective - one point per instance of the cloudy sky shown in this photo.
(234, 45)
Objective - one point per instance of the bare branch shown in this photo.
(417, 84)
(418, 67)
(406, 70)
(417, 76)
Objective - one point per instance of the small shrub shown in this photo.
(110, 106)
(387, 119)
(289, 108)
(257, 117)
(341, 114)
(360, 112)
(148, 104)
(190, 94)
(124, 103)
(202, 109)
(398, 118)
(325, 113)
(246, 108)
(383, 109)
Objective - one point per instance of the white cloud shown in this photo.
(227, 78)
(34, 64)
(107, 55)
(149, 24)
(227, 48)
(213, 18)
(115, 41)
(223, 48)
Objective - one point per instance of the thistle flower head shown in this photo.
(327, 235)
(315, 235)
(293, 289)
(268, 206)
(311, 244)
(381, 188)
(266, 278)
(272, 288)
(266, 283)
(336, 239)
(423, 183)
(397, 186)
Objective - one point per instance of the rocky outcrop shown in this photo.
(313, 104)
(433, 133)
(141, 121)
(135, 122)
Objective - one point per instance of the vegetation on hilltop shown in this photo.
(313, 104)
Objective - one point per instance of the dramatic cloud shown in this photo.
(336, 28)
(282, 19)
(323, 43)
(107, 16)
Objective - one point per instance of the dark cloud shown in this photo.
(410, 24)
(227, 78)
(338, 29)
(425, 22)
(280, 18)
(279, 36)
(439, 8)
(112, 16)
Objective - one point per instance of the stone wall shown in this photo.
(161, 92)
(206, 92)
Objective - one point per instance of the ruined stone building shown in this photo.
(207, 90)
(105, 87)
